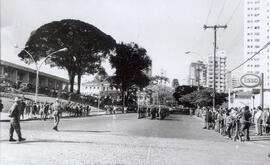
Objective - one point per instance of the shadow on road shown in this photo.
(83, 131)
(46, 141)
(260, 139)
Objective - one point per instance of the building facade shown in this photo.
(197, 74)
(221, 70)
(256, 35)
(95, 87)
(16, 73)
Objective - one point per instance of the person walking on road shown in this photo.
(56, 113)
(14, 114)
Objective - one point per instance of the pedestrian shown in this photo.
(258, 121)
(267, 120)
(1, 106)
(46, 110)
(206, 118)
(229, 122)
(56, 113)
(246, 122)
(14, 114)
(190, 112)
(27, 108)
(34, 110)
(23, 105)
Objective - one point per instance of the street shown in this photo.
(124, 139)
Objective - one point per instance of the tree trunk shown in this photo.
(71, 80)
(79, 83)
(123, 97)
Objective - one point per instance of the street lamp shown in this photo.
(39, 66)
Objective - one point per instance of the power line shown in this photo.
(215, 28)
(234, 11)
(220, 13)
(209, 12)
(264, 47)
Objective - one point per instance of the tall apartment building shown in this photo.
(197, 74)
(256, 35)
(221, 69)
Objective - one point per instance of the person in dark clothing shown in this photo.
(23, 105)
(14, 114)
(1, 106)
(207, 118)
(246, 122)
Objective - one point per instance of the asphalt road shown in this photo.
(124, 139)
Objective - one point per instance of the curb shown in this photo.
(64, 117)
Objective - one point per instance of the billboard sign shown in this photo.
(250, 80)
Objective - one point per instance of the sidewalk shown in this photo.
(263, 140)
(4, 116)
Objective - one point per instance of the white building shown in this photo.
(197, 74)
(95, 87)
(256, 35)
(221, 70)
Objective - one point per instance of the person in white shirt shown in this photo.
(258, 121)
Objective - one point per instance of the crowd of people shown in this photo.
(44, 110)
(235, 122)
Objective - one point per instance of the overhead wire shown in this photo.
(258, 52)
(206, 21)
(221, 11)
(229, 21)
(233, 13)
(209, 11)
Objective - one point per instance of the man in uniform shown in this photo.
(14, 114)
(56, 113)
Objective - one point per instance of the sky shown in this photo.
(165, 28)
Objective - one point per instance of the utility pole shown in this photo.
(215, 27)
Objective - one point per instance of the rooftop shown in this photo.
(6, 63)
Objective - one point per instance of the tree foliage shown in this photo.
(130, 63)
(202, 98)
(87, 46)
(162, 94)
(183, 90)
(159, 79)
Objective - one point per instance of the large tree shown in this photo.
(130, 63)
(87, 46)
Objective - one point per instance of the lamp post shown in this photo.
(198, 67)
(38, 66)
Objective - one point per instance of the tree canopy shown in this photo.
(130, 63)
(87, 46)
(202, 98)
(183, 90)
